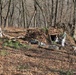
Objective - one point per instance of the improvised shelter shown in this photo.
(53, 33)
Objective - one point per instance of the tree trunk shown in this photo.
(75, 19)
(0, 12)
(56, 13)
(23, 9)
(7, 13)
(52, 9)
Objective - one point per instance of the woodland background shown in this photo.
(38, 13)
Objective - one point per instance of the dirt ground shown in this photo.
(36, 61)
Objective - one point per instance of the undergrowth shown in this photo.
(66, 73)
(14, 44)
(45, 30)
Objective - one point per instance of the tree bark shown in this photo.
(23, 9)
(0, 12)
(7, 13)
(56, 7)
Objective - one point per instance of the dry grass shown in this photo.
(36, 61)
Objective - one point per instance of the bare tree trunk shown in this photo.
(31, 19)
(56, 13)
(7, 13)
(26, 13)
(61, 11)
(0, 12)
(45, 21)
(74, 14)
(11, 14)
(35, 7)
(74, 17)
(23, 9)
(52, 10)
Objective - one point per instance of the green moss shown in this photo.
(14, 44)
(45, 30)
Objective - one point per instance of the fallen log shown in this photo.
(7, 36)
(11, 37)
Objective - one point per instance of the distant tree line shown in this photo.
(38, 13)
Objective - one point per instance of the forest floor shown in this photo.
(33, 60)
